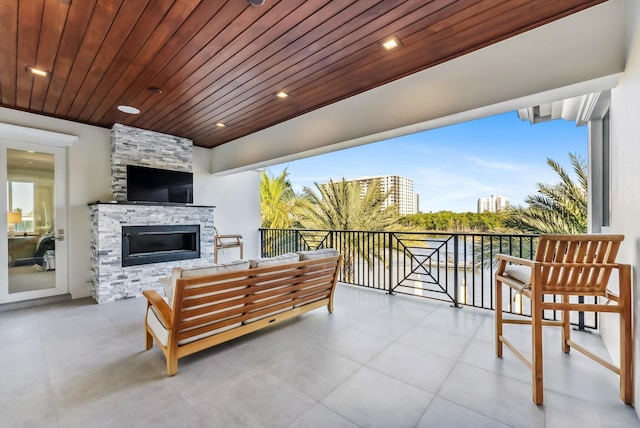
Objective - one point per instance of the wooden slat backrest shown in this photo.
(577, 264)
(210, 303)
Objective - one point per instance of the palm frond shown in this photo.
(277, 200)
(556, 208)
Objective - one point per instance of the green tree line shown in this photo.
(449, 221)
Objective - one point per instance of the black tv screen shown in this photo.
(158, 185)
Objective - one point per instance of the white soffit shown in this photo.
(580, 109)
(567, 58)
(33, 135)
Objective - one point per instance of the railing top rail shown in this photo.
(429, 232)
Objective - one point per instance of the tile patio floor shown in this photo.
(378, 361)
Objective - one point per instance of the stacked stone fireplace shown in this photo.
(136, 244)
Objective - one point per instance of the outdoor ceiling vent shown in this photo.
(256, 2)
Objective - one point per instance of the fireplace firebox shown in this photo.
(155, 244)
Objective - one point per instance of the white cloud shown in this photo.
(497, 165)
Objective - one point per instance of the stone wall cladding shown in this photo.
(134, 146)
(111, 281)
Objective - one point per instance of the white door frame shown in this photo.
(22, 138)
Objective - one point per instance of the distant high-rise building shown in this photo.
(502, 203)
(493, 204)
(400, 188)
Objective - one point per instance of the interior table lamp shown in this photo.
(13, 218)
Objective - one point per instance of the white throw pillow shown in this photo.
(274, 261)
(318, 254)
(213, 269)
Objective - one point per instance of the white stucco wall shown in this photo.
(236, 196)
(237, 201)
(625, 160)
(89, 180)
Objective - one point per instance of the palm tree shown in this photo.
(556, 208)
(277, 201)
(341, 206)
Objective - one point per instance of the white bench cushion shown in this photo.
(162, 333)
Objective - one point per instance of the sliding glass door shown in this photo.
(34, 262)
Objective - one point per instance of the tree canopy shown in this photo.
(278, 201)
(556, 208)
(339, 205)
(448, 221)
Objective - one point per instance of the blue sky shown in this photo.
(452, 167)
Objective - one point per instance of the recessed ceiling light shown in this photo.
(128, 109)
(39, 72)
(155, 89)
(391, 43)
(282, 94)
(220, 125)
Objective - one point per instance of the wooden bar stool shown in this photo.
(565, 266)
(226, 241)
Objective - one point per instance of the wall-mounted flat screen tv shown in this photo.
(159, 185)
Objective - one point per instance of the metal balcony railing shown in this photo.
(453, 267)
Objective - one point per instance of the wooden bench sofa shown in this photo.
(211, 305)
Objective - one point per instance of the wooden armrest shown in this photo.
(229, 236)
(162, 308)
(516, 260)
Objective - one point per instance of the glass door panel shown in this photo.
(31, 243)
(34, 195)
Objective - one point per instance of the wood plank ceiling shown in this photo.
(221, 61)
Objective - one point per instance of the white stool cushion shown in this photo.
(519, 273)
